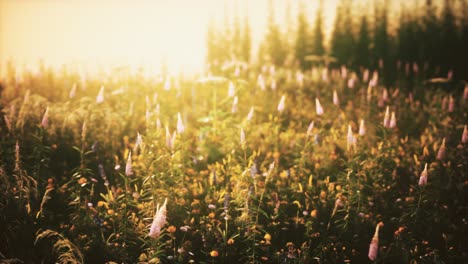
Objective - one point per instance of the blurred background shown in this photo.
(184, 35)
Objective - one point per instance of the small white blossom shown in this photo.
(318, 107)
(100, 97)
(180, 124)
(281, 104)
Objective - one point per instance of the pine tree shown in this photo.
(449, 36)
(317, 44)
(301, 38)
(348, 35)
(463, 43)
(337, 35)
(342, 46)
(363, 44)
(381, 40)
(274, 42)
(430, 32)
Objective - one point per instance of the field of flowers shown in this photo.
(267, 165)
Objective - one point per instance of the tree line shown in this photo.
(422, 37)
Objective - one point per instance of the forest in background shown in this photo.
(425, 36)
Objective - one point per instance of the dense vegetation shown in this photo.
(271, 165)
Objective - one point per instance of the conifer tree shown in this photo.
(317, 44)
(430, 33)
(449, 36)
(363, 44)
(274, 42)
(337, 34)
(342, 46)
(301, 37)
(381, 41)
(463, 43)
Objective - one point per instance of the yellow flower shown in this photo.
(214, 253)
(267, 237)
(313, 213)
(171, 229)
(82, 181)
(110, 212)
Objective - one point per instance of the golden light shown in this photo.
(99, 34)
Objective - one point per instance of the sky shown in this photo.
(105, 33)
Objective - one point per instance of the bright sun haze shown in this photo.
(106, 33)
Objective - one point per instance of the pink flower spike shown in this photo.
(423, 177)
(261, 82)
(441, 152)
(180, 124)
(139, 141)
(7, 122)
(451, 104)
(168, 138)
(444, 103)
(386, 122)
(385, 94)
(159, 221)
(231, 89)
(374, 245)
(100, 97)
(318, 107)
(392, 121)
(234, 104)
(362, 128)
(281, 104)
(365, 76)
(351, 83)
(250, 114)
(464, 138)
(300, 78)
(45, 119)
(158, 123)
(273, 84)
(311, 126)
(72, 93)
(369, 92)
(242, 137)
(129, 166)
(336, 101)
(167, 84)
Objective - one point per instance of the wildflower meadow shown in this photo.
(309, 160)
